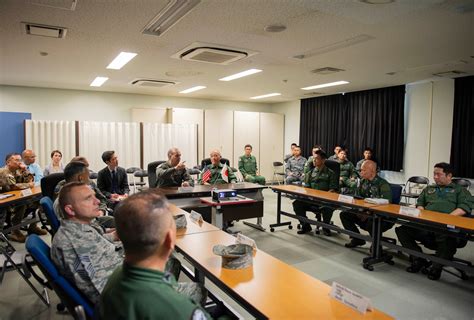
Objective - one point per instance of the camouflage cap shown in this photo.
(235, 256)
(180, 220)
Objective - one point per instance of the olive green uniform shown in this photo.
(248, 168)
(309, 165)
(169, 176)
(139, 293)
(443, 199)
(376, 188)
(348, 175)
(320, 179)
(216, 177)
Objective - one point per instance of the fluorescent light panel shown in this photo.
(196, 88)
(98, 81)
(267, 95)
(122, 59)
(240, 74)
(325, 85)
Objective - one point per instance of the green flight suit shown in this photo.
(443, 199)
(320, 179)
(348, 175)
(216, 177)
(138, 293)
(248, 168)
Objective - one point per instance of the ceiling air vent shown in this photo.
(42, 30)
(56, 4)
(449, 74)
(151, 83)
(212, 53)
(326, 70)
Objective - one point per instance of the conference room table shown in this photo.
(270, 288)
(18, 198)
(190, 199)
(192, 226)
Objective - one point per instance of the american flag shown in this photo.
(206, 175)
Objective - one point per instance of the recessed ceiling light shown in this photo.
(267, 95)
(122, 59)
(98, 81)
(324, 85)
(196, 88)
(275, 28)
(240, 74)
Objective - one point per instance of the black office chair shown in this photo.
(207, 161)
(49, 183)
(93, 175)
(407, 190)
(140, 174)
(152, 172)
(465, 183)
(278, 171)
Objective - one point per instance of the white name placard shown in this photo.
(345, 198)
(196, 216)
(238, 185)
(408, 211)
(350, 298)
(185, 189)
(26, 192)
(245, 240)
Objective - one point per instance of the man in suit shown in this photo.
(112, 180)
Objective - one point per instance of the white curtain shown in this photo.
(44, 136)
(122, 137)
(158, 138)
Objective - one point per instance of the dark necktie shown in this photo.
(114, 182)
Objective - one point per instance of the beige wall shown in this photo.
(291, 110)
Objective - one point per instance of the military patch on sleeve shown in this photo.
(83, 266)
(198, 314)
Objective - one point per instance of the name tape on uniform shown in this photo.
(408, 211)
(196, 216)
(345, 198)
(185, 189)
(245, 240)
(26, 192)
(350, 298)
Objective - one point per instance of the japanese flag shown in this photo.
(225, 173)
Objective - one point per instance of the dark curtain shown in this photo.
(372, 118)
(462, 143)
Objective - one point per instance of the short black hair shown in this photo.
(322, 154)
(369, 149)
(107, 155)
(294, 144)
(447, 168)
(11, 155)
(72, 169)
(248, 146)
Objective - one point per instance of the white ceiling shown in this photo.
(413, 38)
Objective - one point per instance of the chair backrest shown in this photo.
(152, 172)
(69, 294)
(207, 161)
(49, 182)
(418, 180)
(277, 164)
(93, 175)
(132, 170)
(465, 183)
(48, 208)
(396, 193)
(334, 166)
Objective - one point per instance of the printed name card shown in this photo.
(26, 192)
(185, 189)
(345, 198)
(350, 298)
(238, 185)
(408, 211)
(196, 216)
(245, 240)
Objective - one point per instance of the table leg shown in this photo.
(279, 223)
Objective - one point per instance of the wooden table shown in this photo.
(270, 288)
(192, 227)
(19, 198)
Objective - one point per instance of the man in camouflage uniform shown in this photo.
(319, 178)
(347, 175)
(295, 167)
(173, 173)
(15, 176)
(445, 197)
(371, 186)
(291, 154)
(337, 148)
(87, 256)
(215, 169)
(248, 167)
(309, 165)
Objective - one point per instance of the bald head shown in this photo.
(28, 156)
(368, 170)
(215, 156)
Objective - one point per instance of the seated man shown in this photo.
(87, 256)
(112, 180)
(15, 176)
(248, 167)
(173, 173)
(371, 186)
(348, 175)
(216, 172)
(337, 148)
(140, 287)
(295, 167)
(291, 154)
(309, 165)
(319, 178)
(445, 197)
(368, 155)
(29, 159)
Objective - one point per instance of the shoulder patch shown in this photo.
(198, 314)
